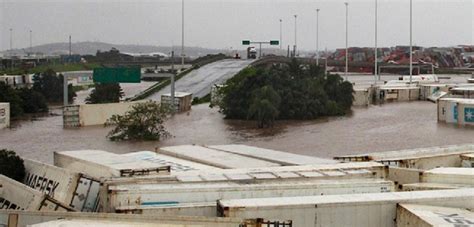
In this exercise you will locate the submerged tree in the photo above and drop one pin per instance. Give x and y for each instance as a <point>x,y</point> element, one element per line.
<point>11,165</point>
<point>105,93</point>
<point>144,121</point>
<point>51,86</point>
<point>264,106</point>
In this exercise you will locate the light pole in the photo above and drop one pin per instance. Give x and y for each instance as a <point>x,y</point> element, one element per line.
<point>375,49</point>
<point>11,41</point>
<point>347,49</point>
<point>182,34</point>
<point>31,42</point>
<point>294,48</point>
<point>317,37</point>
<point>281,33</point>
<point>411,47</point>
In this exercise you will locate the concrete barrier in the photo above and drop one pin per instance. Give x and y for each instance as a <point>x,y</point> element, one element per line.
<point>4,115</point>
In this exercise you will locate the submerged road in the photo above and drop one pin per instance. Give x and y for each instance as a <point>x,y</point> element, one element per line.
<point>199,82</point>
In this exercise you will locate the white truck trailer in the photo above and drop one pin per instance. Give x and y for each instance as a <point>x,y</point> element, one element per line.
<point>102,164</point>
<point>357,210</point>
<point>74,189</point>
<point>17,196</point>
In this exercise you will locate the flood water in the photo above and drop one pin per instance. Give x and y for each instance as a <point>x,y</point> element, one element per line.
<point>390,126</point>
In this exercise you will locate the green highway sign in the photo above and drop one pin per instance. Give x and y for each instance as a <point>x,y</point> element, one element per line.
<point>245,42</point>
<point>117,75</point>
<point>274,42</point>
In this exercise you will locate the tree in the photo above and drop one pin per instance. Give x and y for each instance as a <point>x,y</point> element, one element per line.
<point>11,165</point>
<point>32,101</point>
<point>10,95</point>
<point>143,122</point>
<point>105,93</point>
<point>264,107</point>
<point>51,86</point>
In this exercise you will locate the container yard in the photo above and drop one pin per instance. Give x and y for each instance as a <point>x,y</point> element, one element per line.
<point>241,185</point>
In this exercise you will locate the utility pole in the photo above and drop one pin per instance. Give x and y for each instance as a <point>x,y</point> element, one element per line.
<point>294,47</point>
<point>411,47</point>
<point>182,34</point>
<point>172,81</point>
<point>11,48</point>
<point>347,31</point>
<point>70,48</point>
<point>281,33</point>
<point>317,37</point>
<point>375,49</point>
<point>31,42</point>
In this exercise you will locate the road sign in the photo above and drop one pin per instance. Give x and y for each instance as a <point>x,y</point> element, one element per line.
<point>117,75</point>
<point>245,42</point>
<point>274,42</point>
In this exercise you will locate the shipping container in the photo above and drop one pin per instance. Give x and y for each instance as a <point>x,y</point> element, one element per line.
<point>104,223</point>
<point>214,157</point>
<point>74,189</point>
<point>17,196</point>
<point>422,186</point>
<point>282,158</point>
<point>172,194</point>
<point>456,110</point>
<point>182,101</point>
<point>357,210</point>
<point>4,115</point>
<point>176,164</point>
<point>449,176</point>
<point>414,215</point>
<point>21,218</point>
<point>421,158</point>
<point>328,171</point>
<point>208,209</point>
<point>467,160</point>
<point>402,176</point>
<point>99,164</point>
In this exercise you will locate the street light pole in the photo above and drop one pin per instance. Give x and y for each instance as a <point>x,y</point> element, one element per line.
<point>411,47</point>
<point>182,34</point>
<point>31,42</point>
<point>280,33</point>
<point>294,48</point>
<point>375,49</point>
<point>11,41</point>
<point>347,49</point>
<point>317,37</point>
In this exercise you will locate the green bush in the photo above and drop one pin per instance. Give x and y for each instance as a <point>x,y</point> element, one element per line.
<point>105,93</point>
<point>11,165</point>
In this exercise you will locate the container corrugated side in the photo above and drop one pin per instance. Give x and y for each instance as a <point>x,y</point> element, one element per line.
<point>141,194</point>
<point>283,158</point>
<point>358,210</point>
<point>214,157</point>
<point>182,209</point>
<point>430,186</point>
<point>412,215</point>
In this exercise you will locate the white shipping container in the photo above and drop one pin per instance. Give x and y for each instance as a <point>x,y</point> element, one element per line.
<point>214,157</point>
<point>413,215</point>
<point>74,189</point>
<point>176,164</point>
<point>356,210</point>
<point>172,194</point>
<point>334,171</point>
<point>467,160</point>
<point>421,158</point>
<point>100,164</point>
<point>449,176</point>
<point>4,115</point>
<point>17,196</point>
<point>282,158</point>
<point>182,209</point>
<point>422,186</point>
<point>105,223</point>
<point>22,218</point>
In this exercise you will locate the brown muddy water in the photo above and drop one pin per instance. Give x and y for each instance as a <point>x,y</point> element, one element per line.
<point>390,126</point>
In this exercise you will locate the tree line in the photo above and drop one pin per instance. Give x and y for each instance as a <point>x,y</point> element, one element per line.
<point>285,91</point>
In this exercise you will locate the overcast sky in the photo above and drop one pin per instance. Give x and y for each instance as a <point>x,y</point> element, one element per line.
<point>224,23</point>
